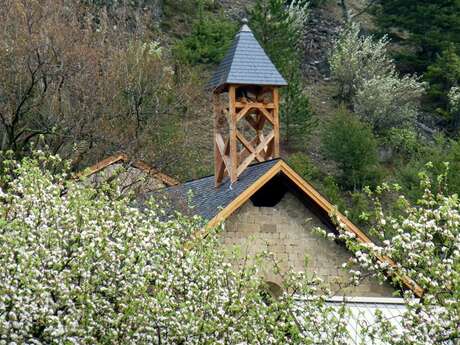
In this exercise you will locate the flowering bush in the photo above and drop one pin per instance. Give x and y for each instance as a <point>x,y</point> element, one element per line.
<point>424,241</point>
<point>356,58</point>
<point>388,101</point>
<point>79,265</point>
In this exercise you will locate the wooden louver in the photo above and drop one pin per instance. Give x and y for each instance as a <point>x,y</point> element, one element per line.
<point>259,108</point>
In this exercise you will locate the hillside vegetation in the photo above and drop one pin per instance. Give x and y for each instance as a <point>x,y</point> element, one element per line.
<point>373,91</point>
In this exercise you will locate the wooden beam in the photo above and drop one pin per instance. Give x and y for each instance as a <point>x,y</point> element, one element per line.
<point>223,150</point>
<point>147,168</point>
<point>259,105</point>
<point>244,152</point>
<point>258,149</point>
<point>233,141</point>
<point>102,165</point>
<point>218,161</point>
<point>249,147</point>
<point>242,113</point>
<point>267,115</point>
<point>276,123</point>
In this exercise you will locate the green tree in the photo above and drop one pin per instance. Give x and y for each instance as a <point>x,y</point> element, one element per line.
<point>442,75</point>
<point>431,27</point>
<point>389,101</point>
<point>279,27</point>
<point>352,145</point>
<point>208,41</point>
<point>355,59</point>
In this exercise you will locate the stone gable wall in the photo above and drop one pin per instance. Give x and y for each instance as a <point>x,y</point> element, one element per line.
<point>286,231</point>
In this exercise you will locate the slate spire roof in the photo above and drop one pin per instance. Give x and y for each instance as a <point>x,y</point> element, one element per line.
<point>246,63</point>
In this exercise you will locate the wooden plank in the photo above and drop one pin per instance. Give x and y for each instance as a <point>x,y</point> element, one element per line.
<point>244,152</point>
<point>218,171</point>
<point>242,113</point>
<point>223,150</point>
<point>249,147</point>
<point>276,123</point>
<point>251,157</point>
<point>148,169</point>
<point>232,138</point>
<point>102,165</point>
<point>270,149</point>
<point>239,105</point>
<point>267,115</point>
<point>261,137</point>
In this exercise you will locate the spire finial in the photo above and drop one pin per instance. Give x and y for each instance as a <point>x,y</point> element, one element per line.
<point>245,27</point>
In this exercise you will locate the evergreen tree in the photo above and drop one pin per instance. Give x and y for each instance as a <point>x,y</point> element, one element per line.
<point>443,74</point>
<point>432,26</point>
<point>279,28</point>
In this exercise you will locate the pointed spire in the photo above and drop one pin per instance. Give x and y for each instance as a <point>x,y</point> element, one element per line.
<point>246,63</point>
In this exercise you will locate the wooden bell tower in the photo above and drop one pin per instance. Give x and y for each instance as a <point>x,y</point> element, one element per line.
<point>246,108</point>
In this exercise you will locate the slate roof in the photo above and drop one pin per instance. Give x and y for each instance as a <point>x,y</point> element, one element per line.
<point>201,197</point>
<point>246,63</point>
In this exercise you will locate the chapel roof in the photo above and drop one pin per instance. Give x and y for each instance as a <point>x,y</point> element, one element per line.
<point>201,197</point>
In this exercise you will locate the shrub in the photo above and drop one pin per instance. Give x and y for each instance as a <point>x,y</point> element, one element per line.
<point>302,164</point>
<point>424,240</point>
<point>352,145</point>
<point>80,265</point>
<point>355,59</point>
<point>432,159</point>
<point>388,101</point>
<point>403,140</point>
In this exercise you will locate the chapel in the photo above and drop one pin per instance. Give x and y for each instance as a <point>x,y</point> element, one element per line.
<point>261,202</point>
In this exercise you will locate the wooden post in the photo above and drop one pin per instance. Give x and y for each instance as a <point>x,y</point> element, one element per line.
<point>276,122</point>
<point>233,129</point>
<point>218,161</point>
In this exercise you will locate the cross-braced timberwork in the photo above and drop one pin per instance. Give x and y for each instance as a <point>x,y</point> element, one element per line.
<point>258,108</point>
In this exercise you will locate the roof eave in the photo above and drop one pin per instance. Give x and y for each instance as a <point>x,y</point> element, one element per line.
<point>321,201</point>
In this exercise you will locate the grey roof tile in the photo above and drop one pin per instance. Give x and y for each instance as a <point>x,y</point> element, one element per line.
<point>246,63</point>
<point>201,197</point>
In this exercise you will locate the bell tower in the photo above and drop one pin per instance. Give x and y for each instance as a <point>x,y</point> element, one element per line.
<point>246,108</point>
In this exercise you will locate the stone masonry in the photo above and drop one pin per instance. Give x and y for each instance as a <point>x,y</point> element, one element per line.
<point>286,231</point>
